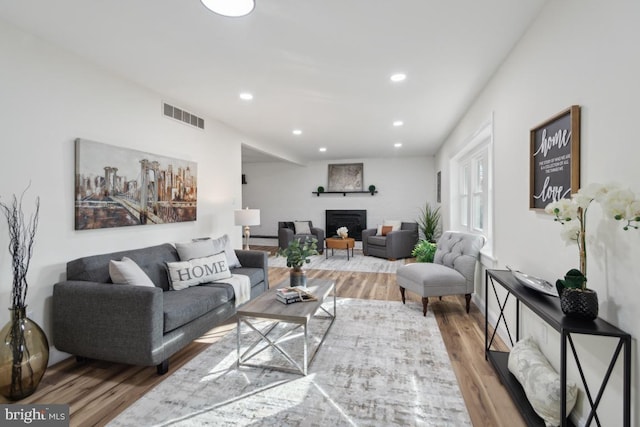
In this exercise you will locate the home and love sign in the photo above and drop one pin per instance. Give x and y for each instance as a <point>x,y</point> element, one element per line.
<point>555,158</point>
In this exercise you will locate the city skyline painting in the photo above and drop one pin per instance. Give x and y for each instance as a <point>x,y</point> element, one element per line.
<point>117,187</point>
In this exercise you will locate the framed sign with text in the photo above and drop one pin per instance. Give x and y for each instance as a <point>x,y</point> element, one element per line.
<point>554,160</point>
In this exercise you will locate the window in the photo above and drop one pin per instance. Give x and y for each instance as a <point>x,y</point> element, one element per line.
<point>472,196</point>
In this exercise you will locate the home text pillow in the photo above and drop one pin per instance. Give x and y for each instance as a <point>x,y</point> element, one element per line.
<point>127,272</point>
<point>183,274</point>
<point>386,229</point>
<point>541,383</point>
<point>302,227</point>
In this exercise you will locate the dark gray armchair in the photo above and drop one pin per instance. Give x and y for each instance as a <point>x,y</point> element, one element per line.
<point>287,232</point>
<point>396,244</point>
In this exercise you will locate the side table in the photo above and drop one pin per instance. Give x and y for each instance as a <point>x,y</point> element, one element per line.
<point>339,243</point>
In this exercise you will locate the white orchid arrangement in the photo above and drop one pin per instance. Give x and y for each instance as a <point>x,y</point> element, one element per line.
<point>617,202</point>
<point>343,232</point>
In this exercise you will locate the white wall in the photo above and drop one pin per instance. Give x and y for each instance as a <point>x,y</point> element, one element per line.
<point>577,52</point>
<point>49,98</point>
<point>282,191</point>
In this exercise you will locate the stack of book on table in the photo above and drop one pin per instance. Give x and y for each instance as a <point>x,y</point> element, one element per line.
<point>291,295</point>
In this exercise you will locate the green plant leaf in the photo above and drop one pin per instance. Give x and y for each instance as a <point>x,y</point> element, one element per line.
<point>424,251</point>
<point>298,253</point>
<point>429,223</point>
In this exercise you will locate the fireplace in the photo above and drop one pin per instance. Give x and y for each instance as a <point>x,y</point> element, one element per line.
<point>354,220</point>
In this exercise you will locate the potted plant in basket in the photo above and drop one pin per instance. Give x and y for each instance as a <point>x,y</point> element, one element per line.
<point>24,349</point>
<point>576,299</point>
<point>297,254</point>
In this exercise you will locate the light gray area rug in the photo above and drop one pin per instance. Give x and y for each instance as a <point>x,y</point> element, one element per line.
<point>382,364</point>
<point>339,262</point>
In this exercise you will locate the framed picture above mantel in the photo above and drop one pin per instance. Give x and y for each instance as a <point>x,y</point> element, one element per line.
<point>554,159</point>
<point>346,177</point>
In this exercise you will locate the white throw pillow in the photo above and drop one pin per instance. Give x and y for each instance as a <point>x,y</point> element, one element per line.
<point>198,248</point>
<point>183,274</point>
<point>396,225</point>
<point>541,383</point>
<point>224,244</point>
<point>206,246</point>
<point>302,227</point>
<point>127,272</point>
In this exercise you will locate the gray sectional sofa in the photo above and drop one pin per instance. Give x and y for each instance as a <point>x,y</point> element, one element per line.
<point>96,319</point>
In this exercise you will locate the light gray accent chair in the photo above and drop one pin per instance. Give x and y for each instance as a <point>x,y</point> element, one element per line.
<point>452,272</point>
<point>395,245</point>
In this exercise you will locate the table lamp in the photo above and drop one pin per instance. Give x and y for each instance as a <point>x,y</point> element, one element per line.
<point>247,217</point>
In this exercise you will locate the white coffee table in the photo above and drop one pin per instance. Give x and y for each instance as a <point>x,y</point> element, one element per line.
<point>298,315</point>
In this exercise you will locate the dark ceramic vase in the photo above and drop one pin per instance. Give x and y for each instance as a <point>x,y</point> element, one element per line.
<point>578,303</point>
<point>24,355</point>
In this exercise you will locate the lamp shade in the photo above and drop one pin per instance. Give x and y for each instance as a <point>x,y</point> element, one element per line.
<point>247,216</point>
<point>233,8</point>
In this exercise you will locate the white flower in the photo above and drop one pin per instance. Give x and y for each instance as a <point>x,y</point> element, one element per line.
<point>604,191</point>
<point>586,195</point>
<point>566,209</point>
<point>617,203</point>
<point>570,232</point>
<point>634,209</point>
<point>343,232</point>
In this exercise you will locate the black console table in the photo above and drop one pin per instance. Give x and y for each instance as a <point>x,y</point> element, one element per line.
<point>548,309</point>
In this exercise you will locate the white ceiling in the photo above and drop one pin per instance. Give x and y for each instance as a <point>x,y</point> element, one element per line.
<point>322,66</point>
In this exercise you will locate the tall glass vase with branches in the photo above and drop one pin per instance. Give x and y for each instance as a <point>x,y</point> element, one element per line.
<point>24,350</point>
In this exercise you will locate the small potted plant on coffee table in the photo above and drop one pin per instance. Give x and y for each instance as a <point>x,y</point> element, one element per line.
<point>297,254</point>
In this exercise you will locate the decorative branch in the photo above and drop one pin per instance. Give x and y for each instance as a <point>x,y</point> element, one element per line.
<point>21,242</point>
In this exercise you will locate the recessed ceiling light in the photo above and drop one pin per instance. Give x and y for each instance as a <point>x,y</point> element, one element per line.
<point>398,144</point>
<point>232,8</point>
<point>398,77</point>
<point>296,132</point>
<point>398,123</point>
<point>246,96</point>
<point>322,149</point>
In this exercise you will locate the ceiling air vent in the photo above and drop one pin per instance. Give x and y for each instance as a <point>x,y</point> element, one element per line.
<point>182,115</point>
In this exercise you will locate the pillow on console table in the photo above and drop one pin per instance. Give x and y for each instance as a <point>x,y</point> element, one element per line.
<point>183,274</point>
<point>127,272</point>
<point>541,383</point>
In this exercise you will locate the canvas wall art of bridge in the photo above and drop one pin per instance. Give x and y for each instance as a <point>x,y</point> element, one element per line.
<point>117,187</point>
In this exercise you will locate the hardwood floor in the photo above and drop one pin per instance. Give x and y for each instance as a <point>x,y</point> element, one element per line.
<point>98,391</point>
